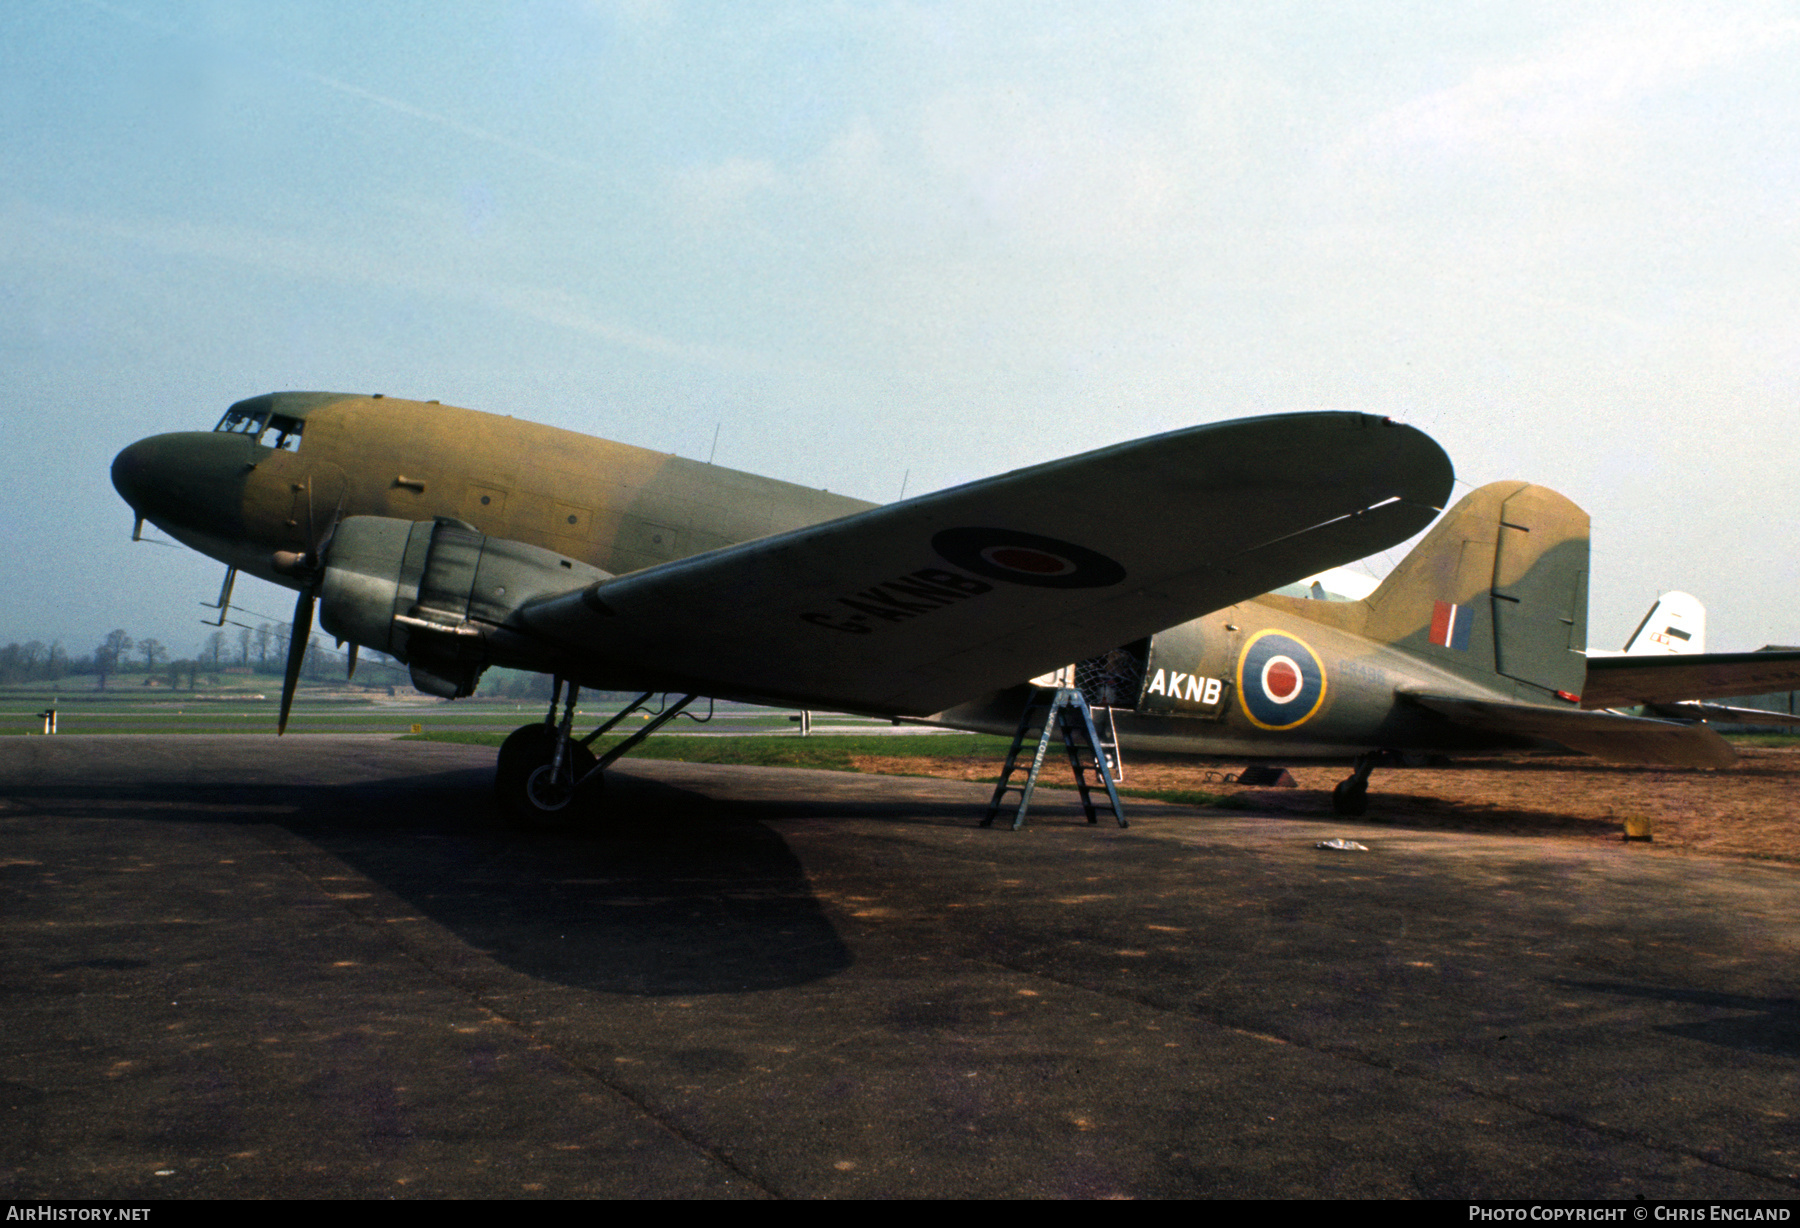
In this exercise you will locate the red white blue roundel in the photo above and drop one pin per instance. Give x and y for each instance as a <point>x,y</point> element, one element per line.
<point>1280,681</point>
<point>1026,558</point>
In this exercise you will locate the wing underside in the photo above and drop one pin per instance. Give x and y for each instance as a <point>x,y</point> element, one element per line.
<point>910,608</point>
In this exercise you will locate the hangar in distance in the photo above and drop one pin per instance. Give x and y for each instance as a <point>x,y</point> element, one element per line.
<point>456,540</point>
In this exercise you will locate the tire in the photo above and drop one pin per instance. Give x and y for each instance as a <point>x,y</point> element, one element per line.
<point>1351,797</point>
<point>526,750</point>
<point>523,751</point>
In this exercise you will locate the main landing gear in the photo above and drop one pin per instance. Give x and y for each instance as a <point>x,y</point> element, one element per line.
<point>1351,797</point>
<point>544,773</point>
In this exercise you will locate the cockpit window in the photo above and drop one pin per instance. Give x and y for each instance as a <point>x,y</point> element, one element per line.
<point>283,432</point>
<point>268,429</point>
<point>243,420</point>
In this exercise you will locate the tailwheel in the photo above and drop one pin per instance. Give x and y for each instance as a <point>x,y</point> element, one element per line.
<point>1351,797</point>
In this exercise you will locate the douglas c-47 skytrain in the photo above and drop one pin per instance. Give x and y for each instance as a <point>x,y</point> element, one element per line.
<point>455,540</point>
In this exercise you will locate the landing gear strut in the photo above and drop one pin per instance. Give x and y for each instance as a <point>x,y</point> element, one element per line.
<point>1351,797</point>
<point>542,768</point>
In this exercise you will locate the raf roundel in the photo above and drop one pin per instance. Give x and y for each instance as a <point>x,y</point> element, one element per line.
<point>1280,681</point>
<point>1026,558</point>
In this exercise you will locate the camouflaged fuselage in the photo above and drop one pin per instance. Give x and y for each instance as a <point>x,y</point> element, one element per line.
<point>613,506</point>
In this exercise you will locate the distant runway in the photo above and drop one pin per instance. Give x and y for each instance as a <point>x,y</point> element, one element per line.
<point>320,966</point>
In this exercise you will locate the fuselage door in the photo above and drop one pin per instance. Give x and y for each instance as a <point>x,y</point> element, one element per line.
<point>1114,679</point>
<point>1187,669</point>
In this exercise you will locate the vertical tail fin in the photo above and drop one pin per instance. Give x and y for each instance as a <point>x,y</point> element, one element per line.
<point>1499,586</point>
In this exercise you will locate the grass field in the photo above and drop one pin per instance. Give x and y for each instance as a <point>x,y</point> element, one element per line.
<point>125,710</point>
<point>736,733</point>
<point>252,709</point>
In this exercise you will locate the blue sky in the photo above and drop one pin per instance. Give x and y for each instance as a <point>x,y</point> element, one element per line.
<point>925,242</point>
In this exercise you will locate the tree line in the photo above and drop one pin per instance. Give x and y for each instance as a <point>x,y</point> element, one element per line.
<point>262,649</point>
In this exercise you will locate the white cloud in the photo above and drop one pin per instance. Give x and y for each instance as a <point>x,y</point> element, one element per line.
<point>60,238</point>
<point>1579,86</point>
<point>1051,173</point>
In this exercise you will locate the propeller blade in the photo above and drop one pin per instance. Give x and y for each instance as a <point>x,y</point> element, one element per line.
<point>309,568</point>
<point>312,549</point>
<point>351,672</point>
<point>303,616</point>
<point>337,517</point>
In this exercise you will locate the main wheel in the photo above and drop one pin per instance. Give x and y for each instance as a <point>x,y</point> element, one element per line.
<point>524,749</point>
<point>1351,797</point>
<point>522,777</point>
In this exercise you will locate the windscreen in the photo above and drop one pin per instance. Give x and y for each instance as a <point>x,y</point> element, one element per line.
<point>271,430</point>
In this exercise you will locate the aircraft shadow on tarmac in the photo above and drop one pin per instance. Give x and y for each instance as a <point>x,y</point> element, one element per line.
<point>1769,1025</point>
<point>681,896</point>
<point>1422,812</point>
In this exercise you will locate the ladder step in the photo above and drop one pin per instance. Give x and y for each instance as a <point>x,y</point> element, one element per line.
<point>1066,713</point>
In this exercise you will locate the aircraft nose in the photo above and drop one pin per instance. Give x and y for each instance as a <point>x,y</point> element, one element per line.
<point>131,472</point>
<point>191,479</point>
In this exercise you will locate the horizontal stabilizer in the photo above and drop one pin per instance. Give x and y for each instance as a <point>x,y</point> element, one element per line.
<point>1605,735</point>
<point>1722,712</point>
<point>1615,682</point>
<point>913,607</point>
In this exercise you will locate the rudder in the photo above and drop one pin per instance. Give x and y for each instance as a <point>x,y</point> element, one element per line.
<point>1499,586</point>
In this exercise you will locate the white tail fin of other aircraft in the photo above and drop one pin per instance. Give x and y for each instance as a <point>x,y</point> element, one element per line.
<point>1675,624</point>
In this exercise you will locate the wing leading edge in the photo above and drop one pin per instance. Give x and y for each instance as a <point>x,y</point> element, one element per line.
<point>910,608</point>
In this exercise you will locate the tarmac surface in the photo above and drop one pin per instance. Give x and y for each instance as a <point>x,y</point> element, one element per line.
<point>322,967</point>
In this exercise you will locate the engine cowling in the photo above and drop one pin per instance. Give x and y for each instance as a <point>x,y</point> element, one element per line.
<point>439,595</point>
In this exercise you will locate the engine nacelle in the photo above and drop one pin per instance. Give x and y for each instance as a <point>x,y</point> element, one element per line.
<point>438,595</point>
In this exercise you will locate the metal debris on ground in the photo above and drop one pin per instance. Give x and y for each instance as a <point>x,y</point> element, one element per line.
<point>1342,845</point>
